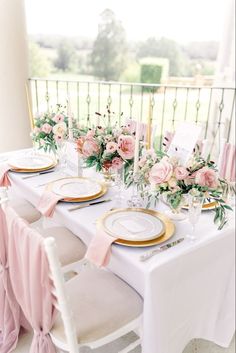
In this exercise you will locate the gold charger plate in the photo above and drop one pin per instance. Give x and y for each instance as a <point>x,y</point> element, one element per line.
<point>15,170</point>
<point>82,199</point>
<point>34,170</point>
<point>169,229</point>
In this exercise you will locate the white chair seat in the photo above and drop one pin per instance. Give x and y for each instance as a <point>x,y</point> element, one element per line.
<point>25,209</point>
<point>70,248</point>
<point>101,304</point>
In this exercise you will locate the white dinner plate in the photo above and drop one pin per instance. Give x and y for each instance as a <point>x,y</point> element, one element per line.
<point>133,225</point>
<point>76,187</point>
<point>31,162</point>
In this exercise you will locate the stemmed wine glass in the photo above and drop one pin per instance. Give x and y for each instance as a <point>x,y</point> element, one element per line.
<point>195,201</point>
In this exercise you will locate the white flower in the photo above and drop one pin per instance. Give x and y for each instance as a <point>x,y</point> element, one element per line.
<point>60,129</point>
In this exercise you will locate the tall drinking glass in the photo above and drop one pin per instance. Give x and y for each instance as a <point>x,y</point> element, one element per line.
<point>194,211</point>
<point>119,177</point>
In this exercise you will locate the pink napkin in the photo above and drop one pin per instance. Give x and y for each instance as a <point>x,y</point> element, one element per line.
<point>4,179</point>
<point>47,203</point>
<point>99,250</point>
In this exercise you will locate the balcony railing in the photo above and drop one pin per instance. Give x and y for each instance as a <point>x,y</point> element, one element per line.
<point>165,105</point>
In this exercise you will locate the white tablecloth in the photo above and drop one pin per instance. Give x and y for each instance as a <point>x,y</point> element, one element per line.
<point>188,290</point>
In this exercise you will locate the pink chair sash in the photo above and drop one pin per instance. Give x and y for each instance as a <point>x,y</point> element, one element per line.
<point>4,178</point>
<point>99,250</point>
<point>29,269</point>
<point>9,307</point>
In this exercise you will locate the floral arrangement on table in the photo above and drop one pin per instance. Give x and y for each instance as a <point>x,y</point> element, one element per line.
<point>50,129</point>
<point>107,148</point>
<point>164,175</point>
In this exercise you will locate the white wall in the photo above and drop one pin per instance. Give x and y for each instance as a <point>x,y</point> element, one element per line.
<point>14,121</point>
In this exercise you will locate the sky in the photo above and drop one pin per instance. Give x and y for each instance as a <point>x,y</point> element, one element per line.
<point>181,20</point>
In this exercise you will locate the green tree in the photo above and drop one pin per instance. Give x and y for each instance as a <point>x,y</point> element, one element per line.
<point>165,48</point>
<point>39,65</point>
<point>66,56</point>
<point>109,50</point>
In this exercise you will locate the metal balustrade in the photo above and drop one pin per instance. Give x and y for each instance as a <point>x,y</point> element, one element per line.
<point>165,105</point>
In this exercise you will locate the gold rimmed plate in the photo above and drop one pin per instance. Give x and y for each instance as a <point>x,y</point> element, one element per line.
<point>165,232</point>
<point>31,164</point>
<point>78,189</point>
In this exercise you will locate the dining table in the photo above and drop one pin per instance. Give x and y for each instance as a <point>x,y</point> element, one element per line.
<point>188,290</point>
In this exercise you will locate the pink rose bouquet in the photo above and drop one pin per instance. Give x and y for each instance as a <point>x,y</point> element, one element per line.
<point>50,129</point>
<point>167,176</point>
<point>107,148</point>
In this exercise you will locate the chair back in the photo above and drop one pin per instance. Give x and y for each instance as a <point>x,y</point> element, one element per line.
<point>28,262</point>
<point>60,294</point>
<point>9,307</point>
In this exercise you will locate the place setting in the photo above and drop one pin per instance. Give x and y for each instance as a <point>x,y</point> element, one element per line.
<point>71,190</point>
<point>28,165</point>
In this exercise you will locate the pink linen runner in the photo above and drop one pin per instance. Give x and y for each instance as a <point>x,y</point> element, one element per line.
<point>99,250</point>
<point>4,178</point>
<point>29,273</point>
<point>227,162</point>
<point>47,203</point>
<point>9,307</point>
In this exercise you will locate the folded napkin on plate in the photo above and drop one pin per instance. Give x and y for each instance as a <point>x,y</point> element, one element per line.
<point>4,178</point>
<point>47,203</point>
<point>99,250</point>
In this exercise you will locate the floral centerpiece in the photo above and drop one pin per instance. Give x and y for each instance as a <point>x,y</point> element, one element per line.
<point>107,148</point>
<point>50,129</point>
<point>165,175</point>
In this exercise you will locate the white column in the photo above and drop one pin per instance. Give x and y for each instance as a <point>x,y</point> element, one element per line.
<point>225,69</point>
<point>14,119</point>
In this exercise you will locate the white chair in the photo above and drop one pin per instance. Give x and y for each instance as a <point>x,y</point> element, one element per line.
<point>22,207</point>
<point>71,249</point>
<point>95,307</point>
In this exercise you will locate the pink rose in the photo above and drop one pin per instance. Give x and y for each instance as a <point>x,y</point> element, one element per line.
<point>58,118</point>
<point>36,130</point>
<point>161,172</point>
<point>90,134</point>
<point>206,177</point>
<point>58,138</point>
<point>126,146</point>
<point>80,143</point>
<point>181,173</point>
<point>117,163</point>
<point>42,142</point>
<point>46,128</point>
<point>111,147</point>
<point>90,148</point>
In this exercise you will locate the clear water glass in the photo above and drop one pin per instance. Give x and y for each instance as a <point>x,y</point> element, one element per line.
<point>119,185</point>
<point>62,160</point>
<point>194,211</point>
